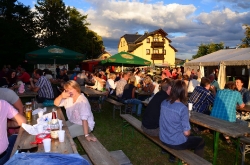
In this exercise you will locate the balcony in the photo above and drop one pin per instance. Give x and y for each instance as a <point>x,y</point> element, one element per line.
<point>157,57</point>
<point>157,44</point>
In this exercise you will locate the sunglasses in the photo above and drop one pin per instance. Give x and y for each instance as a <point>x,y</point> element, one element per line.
<point>31,150</point>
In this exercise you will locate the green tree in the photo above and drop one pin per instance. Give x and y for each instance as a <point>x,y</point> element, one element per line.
<point>52,19</point>
<point>205,49</point>
<point>16,31</point>
<point>245,42</point>
<point>84,40</point>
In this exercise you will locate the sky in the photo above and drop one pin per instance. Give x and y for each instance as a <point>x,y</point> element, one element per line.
<point>187,22</point>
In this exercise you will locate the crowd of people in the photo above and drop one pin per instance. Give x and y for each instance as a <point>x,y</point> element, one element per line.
<point>166,114</point>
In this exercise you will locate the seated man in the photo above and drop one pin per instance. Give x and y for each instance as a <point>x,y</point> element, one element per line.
<point>7,143</point>
<point>121,84</point>
<point>42,86</point>
<point>151,116</point>
<point>63,77</point>
<point>202,98</point>
<point>243,91</point>
<point>214,82</point>
<point>225,104</point>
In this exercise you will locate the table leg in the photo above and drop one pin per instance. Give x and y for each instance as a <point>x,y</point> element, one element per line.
<point>216,143</point>
<point>237,150</point>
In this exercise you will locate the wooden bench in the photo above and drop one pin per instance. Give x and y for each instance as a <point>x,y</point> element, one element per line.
<point>117,105</point>
<point>245,149</point>
<point>117,155</point>
<point>184,155</point>
<point>97,153</point>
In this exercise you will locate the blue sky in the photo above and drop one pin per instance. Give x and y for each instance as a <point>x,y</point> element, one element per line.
<point>187,22</point>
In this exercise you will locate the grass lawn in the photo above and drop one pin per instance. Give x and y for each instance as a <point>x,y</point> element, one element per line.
<point>140,150</point>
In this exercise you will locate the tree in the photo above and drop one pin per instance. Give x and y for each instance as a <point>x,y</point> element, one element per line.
<point>84,40</point>
<point>205,49</point>
<point>66,27</point>
<point>52,19</point>
<point>16,31</point>
<point>245,42</point>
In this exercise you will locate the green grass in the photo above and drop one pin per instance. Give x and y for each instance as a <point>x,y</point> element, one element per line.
<point>140,150</point>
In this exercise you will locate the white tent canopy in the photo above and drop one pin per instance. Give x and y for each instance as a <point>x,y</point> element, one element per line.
<point>224,57</point>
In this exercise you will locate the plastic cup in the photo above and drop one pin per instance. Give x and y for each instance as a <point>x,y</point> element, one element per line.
<point>40,128</point>
<point>47,144</point>
<point>61,135</point>
<point>40,114</point>
<point>190,106</point>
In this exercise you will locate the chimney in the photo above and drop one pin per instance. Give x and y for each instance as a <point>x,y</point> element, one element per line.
<point>145,32</point>
<point>136,33</point>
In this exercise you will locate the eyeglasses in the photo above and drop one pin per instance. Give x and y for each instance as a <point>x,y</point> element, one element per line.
<point>31,150</point>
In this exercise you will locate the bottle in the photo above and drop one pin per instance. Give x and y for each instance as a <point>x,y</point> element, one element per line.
<point>54,126</point>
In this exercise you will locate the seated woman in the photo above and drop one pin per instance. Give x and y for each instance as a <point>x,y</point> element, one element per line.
<point>99,82</point>
<point>129,96</point>
<point>81,120</point>
<point>174,122</point>
<point>9,81</point>
<point>147,87</point>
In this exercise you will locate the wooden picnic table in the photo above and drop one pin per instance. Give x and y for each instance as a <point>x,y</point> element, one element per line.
<point>246,108</point>
<point>231,129</point>
<point>92,92</point>
<point>24,139</point>
<point>27,93</point>
<point>143,93</point>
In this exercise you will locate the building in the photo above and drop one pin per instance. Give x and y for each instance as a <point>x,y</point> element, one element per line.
<point>152,46</point>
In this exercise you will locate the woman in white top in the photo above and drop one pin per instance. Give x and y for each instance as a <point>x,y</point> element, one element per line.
<point>78,110</point>
<point>111,85</point>
<point>99,82</point>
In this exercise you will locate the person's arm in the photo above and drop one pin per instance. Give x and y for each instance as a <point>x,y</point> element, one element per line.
<point>19,106</point>
<point>133,93</point>
<point>186,133</point>
<point>63,95</point>
<point>16,121</point>
<point>86,131</point>
<point>213,90</point>
<point>32,86</point>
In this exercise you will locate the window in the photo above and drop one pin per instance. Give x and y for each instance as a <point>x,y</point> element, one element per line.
<point>156,51</point>
<point>164,51</point>
<point>121,44</point>
<point>156,39</point>
<point>148,40</point>
<point>147,51</point>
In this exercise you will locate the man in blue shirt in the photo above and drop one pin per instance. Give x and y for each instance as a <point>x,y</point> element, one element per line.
<point>203,97</point>
<point>225,103</point>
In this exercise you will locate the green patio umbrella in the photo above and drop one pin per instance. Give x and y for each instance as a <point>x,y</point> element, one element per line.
<point>125,59</point>
<point>54,54</point>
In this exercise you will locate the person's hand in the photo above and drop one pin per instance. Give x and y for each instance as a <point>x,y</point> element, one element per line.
<point>65,94</point>
<point>31,79</point>
<point>89,138</point>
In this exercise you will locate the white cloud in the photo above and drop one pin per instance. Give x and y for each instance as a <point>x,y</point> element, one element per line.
<point>111,19</point>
